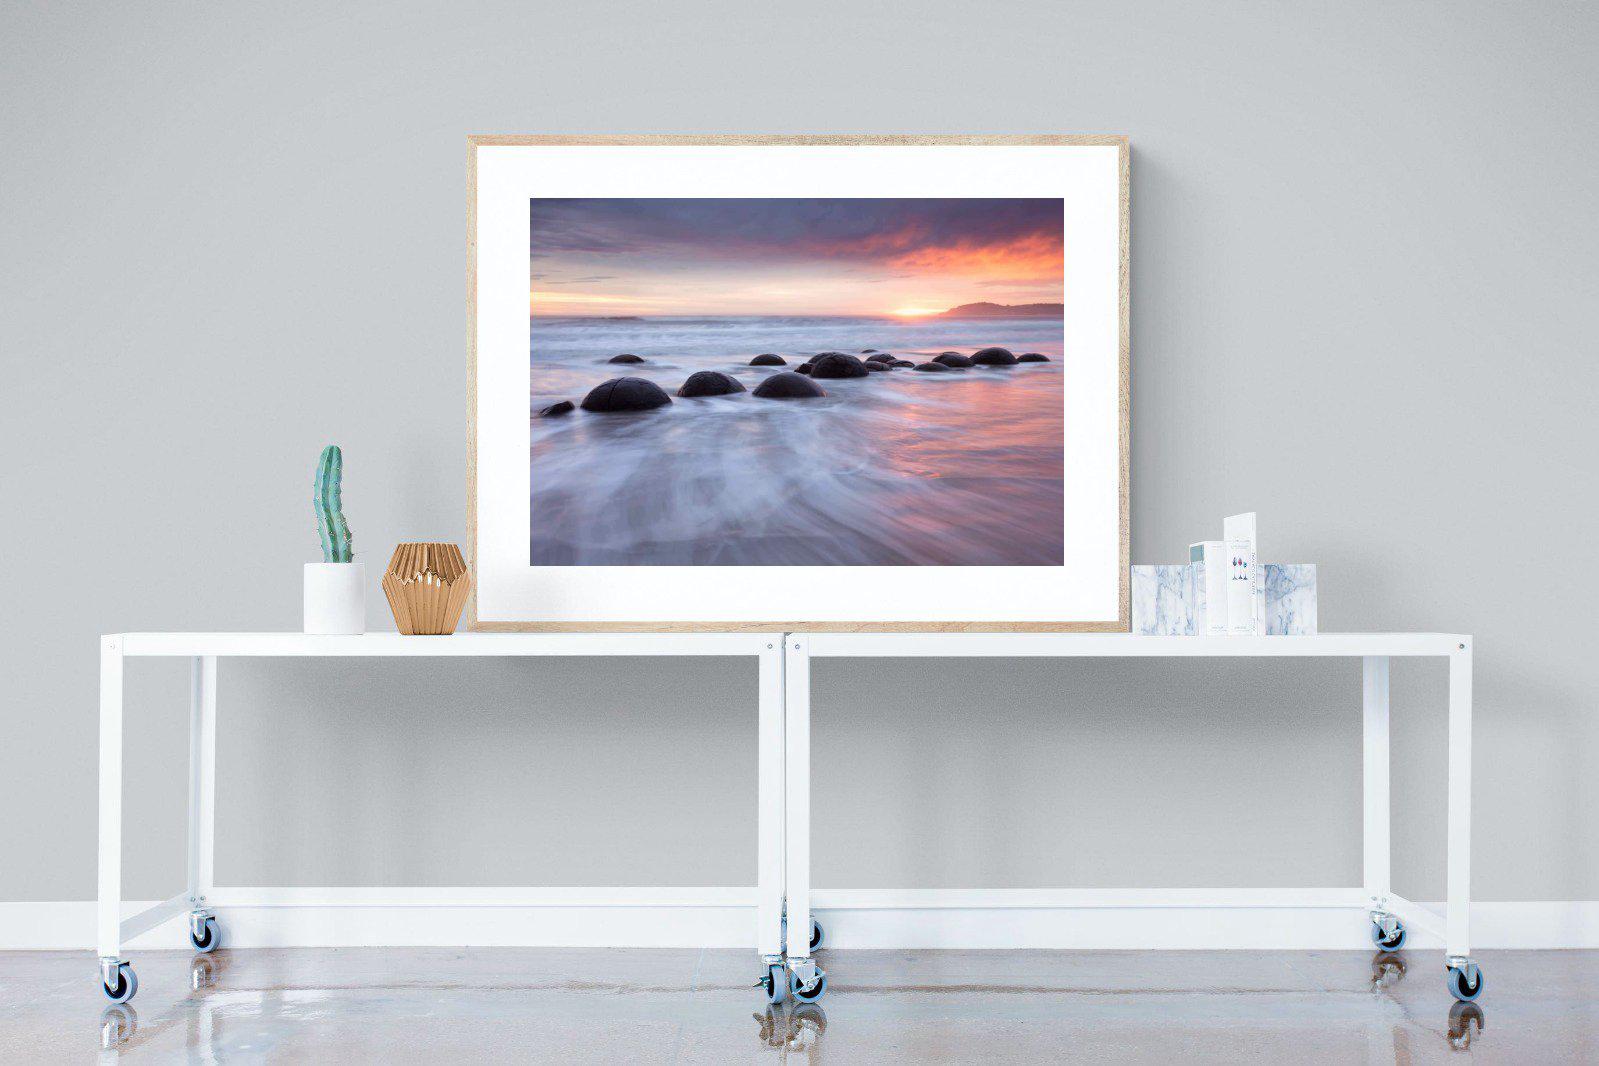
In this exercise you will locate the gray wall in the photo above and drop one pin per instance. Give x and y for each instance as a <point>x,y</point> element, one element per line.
<point>1363,259</point>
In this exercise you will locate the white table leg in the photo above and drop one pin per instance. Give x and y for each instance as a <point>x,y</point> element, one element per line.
<point>202,779</point>
<point>1457,938</point>
<point>1375,778</point>
<point>109,908</point>
<point>769,804</point>
<point>797,792</point>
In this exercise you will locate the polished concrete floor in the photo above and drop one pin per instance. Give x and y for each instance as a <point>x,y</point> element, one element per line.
<point>369,1005</point>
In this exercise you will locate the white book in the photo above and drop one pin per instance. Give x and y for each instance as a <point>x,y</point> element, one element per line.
<point>1246,586</point>
<point>1208,566</point>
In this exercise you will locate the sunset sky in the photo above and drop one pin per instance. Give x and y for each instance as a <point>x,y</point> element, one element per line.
<point>795,257</point>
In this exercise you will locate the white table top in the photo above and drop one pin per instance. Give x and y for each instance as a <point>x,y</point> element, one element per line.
<point>896,645</point>
<point>1111,645</point>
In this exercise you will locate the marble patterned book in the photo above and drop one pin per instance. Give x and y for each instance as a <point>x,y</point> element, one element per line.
<point>1290,598</point>
<point>1163,602</point>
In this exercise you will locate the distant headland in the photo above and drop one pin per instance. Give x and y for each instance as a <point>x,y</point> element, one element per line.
<point>988,310</point>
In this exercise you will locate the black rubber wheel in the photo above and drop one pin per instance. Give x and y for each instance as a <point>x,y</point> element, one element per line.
<point>1461,990</point>
<point>1387,943</point>
<point>808,995</point>
<point>775,984</point>
<point>127,984</point>
<point>209,936</point>
<point>817,934</point>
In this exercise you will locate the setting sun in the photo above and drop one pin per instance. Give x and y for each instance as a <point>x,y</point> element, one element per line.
<point>913,311</point>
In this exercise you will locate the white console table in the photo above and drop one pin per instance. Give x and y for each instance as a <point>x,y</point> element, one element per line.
<point>204,649</point>
<point>1389,914</point>
<point>783,892</point>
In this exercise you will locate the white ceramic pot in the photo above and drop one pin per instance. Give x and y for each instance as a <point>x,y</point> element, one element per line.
<point>335,597</point>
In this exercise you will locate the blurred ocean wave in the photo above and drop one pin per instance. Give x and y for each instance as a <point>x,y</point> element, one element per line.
<point>899,468</point>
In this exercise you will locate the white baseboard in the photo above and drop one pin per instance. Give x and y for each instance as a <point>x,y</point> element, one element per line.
<point>1307,919</point>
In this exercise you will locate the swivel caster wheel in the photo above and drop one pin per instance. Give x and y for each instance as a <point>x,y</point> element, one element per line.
<point>1465,981</point>
<point>204,933</point>
<point>775,983</point>
<point>817,935</point>
<point>811,993</point>
<point>1388,941</point>
<point>121,989</point>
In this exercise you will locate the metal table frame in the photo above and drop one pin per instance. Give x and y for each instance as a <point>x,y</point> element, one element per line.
<point>782,894</point>
<point>1388,912</point>
<point>198,898</point>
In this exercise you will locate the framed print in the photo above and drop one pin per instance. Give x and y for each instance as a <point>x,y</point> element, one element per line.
<point>798,383</point>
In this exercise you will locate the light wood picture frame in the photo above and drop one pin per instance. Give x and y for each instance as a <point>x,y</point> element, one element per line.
<point>616,179</point>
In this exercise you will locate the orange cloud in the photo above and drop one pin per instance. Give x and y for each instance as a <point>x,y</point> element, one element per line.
<point>1034,257</point>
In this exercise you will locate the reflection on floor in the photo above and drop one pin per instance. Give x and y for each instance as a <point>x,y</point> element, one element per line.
<point>360,1005</point>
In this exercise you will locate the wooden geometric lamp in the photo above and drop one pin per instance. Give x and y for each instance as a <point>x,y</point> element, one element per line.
<point>427,586</point>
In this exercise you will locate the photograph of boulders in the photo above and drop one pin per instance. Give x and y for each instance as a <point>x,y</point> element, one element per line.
<point>796,382</point>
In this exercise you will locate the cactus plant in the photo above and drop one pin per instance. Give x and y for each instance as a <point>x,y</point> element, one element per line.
<point>325,501</point>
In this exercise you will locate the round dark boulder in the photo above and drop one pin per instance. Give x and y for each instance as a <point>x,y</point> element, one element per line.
<point>768,360</point>
<point>872,366</point>
<point>838,365</point>
<point>936,368</point>
<point>949,353</point>
<point>554,409</point>
<point>953,360</point>
<point>625,359</point>
<point>710,383</point>
<point>788,385</point>
<point>880,357</point>
<point>625,394</point>
<point>868,351</point>
<point>822,355</point>
<point>1032,357</point>
<point>994,357</point>
<point>902,362</point>
<point>804,368</point>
